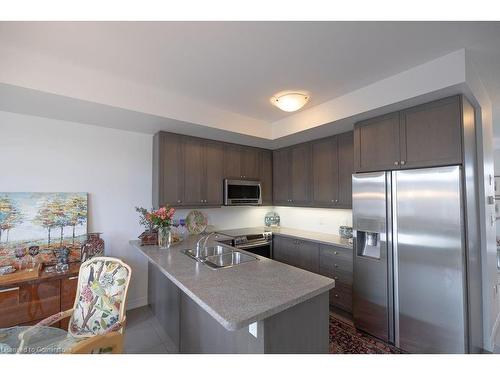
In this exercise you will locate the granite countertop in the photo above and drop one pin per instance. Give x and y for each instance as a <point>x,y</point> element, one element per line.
<point>324,238</point>
<point>240,295</point>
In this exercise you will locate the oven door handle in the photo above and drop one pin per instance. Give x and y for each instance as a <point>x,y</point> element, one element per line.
<point>252,245</point>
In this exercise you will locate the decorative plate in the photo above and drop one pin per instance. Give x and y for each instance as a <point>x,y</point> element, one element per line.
<point>5,270</point>
<point>196,222</point>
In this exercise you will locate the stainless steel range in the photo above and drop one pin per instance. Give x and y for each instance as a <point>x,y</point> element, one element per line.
<point>254,240</point>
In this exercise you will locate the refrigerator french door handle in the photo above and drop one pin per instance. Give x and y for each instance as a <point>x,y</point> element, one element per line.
<point>395,265</point>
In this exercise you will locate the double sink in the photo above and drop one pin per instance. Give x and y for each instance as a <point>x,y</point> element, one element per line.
<point>219,256</point>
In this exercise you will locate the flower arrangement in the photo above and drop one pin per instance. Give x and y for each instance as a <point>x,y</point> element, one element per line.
<point>162,217</point>
<point>154,219</point>
<point>157,224</point>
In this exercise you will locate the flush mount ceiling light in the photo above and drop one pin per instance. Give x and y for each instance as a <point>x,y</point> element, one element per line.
<point>290,101</point>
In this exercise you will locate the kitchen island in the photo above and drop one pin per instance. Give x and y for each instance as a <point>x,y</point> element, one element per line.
<point>262,306</point>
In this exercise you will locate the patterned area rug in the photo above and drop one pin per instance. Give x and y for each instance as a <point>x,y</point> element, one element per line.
<point>346,339</point>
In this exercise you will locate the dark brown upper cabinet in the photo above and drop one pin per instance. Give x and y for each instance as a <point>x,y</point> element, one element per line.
<point>346,168</point>
<point>281,176</point>
<point>168,169</point>
<point>232,161</point>
<point>428,135</point>
<point>194,165</point>
<point>250,163</point>
<point>266,176</point>
<point>315,174</point>
<point>292,175</point>
<point>297,253</point>
<point>333,166</point>
<point>300,174</point>
<point>214,173</point>
<point>431,134</point>
<point>376,143</point>
<point>325,171</point>
<point>187,171</point>
<point>241,162</point>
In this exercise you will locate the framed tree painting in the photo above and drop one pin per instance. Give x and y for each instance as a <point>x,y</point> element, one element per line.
<point>47,220</point>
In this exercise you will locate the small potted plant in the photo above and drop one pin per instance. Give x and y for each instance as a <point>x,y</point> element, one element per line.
<point>150,235</point>
<point>161,220</point>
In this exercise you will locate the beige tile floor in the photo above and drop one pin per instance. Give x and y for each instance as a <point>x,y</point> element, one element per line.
<point>144,334</point>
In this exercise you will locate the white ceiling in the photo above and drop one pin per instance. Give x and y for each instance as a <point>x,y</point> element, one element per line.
<point>237,66</point>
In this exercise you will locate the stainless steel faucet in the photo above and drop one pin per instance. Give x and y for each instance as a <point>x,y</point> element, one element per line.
<point>204,239</point>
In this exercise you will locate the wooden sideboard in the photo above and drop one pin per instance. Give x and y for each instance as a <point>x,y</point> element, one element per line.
<point>26,303</point>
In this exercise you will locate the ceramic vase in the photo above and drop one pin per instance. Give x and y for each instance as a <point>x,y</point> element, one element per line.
<point>92,246</point>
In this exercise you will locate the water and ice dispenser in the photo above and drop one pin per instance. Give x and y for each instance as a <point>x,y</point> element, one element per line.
<point>368,244</point>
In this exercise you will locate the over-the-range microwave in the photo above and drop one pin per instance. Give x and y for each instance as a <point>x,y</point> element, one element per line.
<point>242,193</point>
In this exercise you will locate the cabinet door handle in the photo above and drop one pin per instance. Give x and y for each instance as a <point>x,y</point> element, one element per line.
<point>9,289</point>
<point>396,163</point>
<point>72,277</point>
<point>336,296</point>
<point>403,162</point>
<point>179,201</point>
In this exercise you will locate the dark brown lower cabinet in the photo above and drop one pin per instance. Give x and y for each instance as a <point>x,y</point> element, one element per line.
<point>283,249</point>
<point>297,253</point>
<point>337,263</point>
<point>327,260</point>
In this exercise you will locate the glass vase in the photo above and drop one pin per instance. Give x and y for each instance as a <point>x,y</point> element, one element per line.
<point>164,238</point>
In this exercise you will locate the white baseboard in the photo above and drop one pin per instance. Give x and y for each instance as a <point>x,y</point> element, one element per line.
<point>138,302</point>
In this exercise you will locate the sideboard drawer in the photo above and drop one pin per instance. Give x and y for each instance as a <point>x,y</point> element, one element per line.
<point>29,302</point>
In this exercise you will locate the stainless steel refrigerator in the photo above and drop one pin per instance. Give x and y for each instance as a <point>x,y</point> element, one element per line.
<point>409,260</point>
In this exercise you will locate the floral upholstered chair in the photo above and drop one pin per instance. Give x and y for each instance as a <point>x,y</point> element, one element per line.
<point>97,318</point>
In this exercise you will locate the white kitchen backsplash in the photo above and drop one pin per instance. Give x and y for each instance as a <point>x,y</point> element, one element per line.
<point>314,219</point>
<point>231,217</point>
<point>325,220</point>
